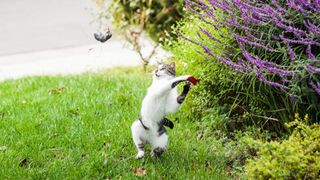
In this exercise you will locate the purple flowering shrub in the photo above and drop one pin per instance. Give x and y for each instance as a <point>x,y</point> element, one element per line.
<point>225,100</point>
<point>277,42</point>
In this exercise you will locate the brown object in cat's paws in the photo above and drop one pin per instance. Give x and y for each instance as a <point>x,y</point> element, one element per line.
<point>193,80</point>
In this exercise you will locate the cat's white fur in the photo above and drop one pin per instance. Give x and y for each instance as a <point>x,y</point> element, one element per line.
<point>161,99</point>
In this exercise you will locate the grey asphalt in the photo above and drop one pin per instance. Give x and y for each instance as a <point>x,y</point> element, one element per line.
<point>55,37</point>
<point>35,25</point>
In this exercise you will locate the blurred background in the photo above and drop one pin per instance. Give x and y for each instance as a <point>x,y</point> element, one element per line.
<point>39,37</point>
<point>36,25</point>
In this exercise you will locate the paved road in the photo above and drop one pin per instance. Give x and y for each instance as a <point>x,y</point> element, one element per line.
<point>33,25</point>
<point>49,37</point>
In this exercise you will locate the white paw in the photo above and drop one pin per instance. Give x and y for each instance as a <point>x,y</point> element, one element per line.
<point>140,155</point>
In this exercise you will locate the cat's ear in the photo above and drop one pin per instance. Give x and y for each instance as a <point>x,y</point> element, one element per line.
<point>173,65</point>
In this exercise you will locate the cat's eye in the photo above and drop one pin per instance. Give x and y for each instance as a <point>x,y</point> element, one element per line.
<point>161,69</point>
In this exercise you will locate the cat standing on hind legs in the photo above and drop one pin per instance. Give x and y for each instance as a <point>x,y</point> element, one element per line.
<point>162,98</point>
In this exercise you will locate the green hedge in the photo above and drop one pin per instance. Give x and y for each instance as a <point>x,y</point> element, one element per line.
<point>156,17</point>
<point>241,98</point>
<point>298,157</point>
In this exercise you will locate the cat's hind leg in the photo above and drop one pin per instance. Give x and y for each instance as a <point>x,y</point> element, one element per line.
<point>138,131</point>
<point>159,143</point>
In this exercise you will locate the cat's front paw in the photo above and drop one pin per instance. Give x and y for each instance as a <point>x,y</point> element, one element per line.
<point>140,155</point>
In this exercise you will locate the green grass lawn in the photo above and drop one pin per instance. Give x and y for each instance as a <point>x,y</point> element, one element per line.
<point>79,127</point>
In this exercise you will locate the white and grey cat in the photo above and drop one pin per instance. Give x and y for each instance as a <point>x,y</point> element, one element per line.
<point>162,98</point>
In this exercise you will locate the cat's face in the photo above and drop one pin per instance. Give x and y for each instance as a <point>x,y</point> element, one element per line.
<point>165,71</point>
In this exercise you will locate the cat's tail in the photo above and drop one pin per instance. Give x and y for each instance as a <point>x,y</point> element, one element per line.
<point>168,123</point>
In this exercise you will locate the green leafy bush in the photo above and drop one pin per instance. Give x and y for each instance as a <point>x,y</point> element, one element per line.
<point>213,75</point>
<point>137,20</point>
<point>244,97</point>
<point>156,17</point>
<point>241,99</point>
<point>295,158</point>
<point>237,150</point>
<point>275,42</point>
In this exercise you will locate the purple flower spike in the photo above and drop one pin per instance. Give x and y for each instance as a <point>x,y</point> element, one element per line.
<point>208,34</point>
<point>311,56</point>
<point>229,63</point>
<point>296,31</point>
<point>279,8</point>
<point>263,79</point>
<point>286,42</point>
<point>316,87</point>
<point>312,70</point>
<point>293,97</point>
<point>312,28</point>
<point>207,50</point>
<point>246,41</point>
